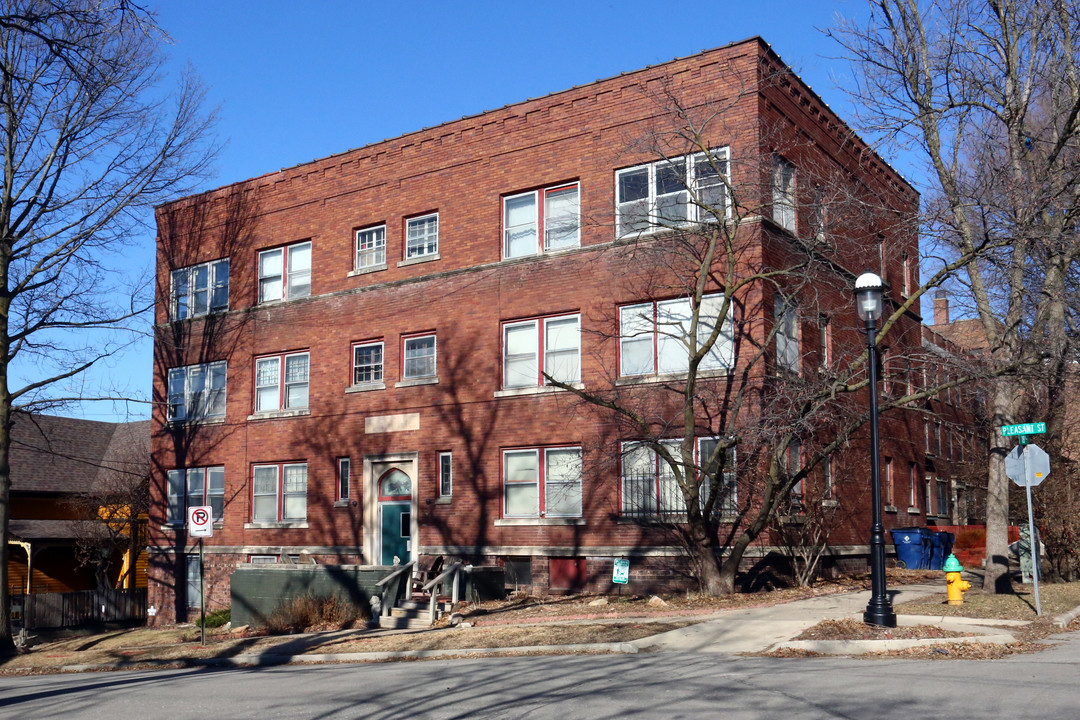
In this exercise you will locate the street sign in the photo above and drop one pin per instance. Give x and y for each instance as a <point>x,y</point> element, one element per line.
<point>1027,465</point>
<point>1037,428</point>
<point>621,574</point>
<point>200,521</point>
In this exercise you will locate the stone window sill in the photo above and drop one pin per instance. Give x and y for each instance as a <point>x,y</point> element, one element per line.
<point>670,377</point>
<point>278,414</point>
<point>533,522</point>
<point>276,525</point>
<point>417,381</point>
<point>420,259</point>
<point>538,390</point>
<point>367,270</point>
<point>365,387</point>
<point>890,508</point>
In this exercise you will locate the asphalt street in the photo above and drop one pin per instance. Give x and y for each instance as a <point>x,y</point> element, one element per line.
<point>660,685</point>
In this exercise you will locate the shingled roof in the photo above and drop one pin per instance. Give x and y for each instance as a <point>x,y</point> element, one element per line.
<point>56,455</point>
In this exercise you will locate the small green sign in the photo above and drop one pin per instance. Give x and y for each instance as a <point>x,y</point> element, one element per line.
<point>1024,429</point>
<point>621,572</point>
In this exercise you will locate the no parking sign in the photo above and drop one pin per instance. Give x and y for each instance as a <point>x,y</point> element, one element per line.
<point>200,521</point>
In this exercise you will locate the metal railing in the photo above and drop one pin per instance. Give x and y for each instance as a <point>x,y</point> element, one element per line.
<point>72,609</point>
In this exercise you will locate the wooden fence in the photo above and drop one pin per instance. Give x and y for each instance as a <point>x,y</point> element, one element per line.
<point>72,609</point>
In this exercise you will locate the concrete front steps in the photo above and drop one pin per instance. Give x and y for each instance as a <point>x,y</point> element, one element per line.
<point>412,615</point>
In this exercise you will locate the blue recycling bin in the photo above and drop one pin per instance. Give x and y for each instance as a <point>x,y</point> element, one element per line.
<point>940,547</point>
<point>927,548</point>
<point>909,543</point>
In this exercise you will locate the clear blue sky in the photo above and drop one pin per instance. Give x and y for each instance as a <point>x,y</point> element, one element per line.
<point>295,81</point>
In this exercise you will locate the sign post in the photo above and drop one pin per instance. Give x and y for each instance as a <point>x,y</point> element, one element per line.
<point>1027,466</point>
<point>201,525</point>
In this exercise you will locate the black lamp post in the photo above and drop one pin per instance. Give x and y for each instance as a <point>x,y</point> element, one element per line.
<point>869,302</point>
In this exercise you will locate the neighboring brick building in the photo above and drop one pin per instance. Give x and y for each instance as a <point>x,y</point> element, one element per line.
<point>348,352</point>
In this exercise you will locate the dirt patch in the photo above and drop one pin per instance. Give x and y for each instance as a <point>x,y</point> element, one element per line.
<point>1055,598</point>
<point>857,630</point>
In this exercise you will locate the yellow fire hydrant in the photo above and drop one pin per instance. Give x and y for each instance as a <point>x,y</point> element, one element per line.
<point>955,585</point>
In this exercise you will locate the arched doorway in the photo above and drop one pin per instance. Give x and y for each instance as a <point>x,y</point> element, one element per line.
<point>395,516</point>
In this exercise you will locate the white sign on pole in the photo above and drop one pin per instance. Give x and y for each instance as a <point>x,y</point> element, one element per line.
<point>621,574</point>
<point>1027,465</point>
<point>200,521</point>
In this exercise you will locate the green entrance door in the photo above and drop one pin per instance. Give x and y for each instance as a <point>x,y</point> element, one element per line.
<point>395,517</point>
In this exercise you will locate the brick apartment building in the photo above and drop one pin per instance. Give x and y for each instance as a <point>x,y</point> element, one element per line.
<point>350,353</point>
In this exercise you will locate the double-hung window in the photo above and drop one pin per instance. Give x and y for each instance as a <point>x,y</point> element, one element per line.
<point>368,363</point>
<point>277,390</point>
<point>728,501</point>
<point>541,221</point>
<point>279,493</point>
<point>197,392</point>
<point>655,337</point>
<point>783,194</point>
<point>533,348</point>
<point>671,193</point>
<point>285,273</point>
<point>786,318</point>
<point>371,248</point>
<point>200,289</point>
<point>419,357</point>
<point>422,236</point>
<point>542,482</point>
<point>196,487</point>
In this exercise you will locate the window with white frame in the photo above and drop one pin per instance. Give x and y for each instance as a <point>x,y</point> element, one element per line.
<point>541,221</point>
<point>285,273</point>
<point>344,468</point>
<point>367,363</point>
<point>371,248</point>
<point>670,193</point>
<point>654,337</point>
<point>532,348</point>
<point>889,487</point>
<point>787,334</point>
<point>446,474</point>
<point>276,390</point>
<point>199,290</point>
<point>827,477</point>
<point>824,341</point>
<point>422,236</point>
<point>783,193</point>
<point>542,482</point>
<point>794,467</point>
<point>193,578</point>
<point>913,485</point>
<point>942,497</point>
<point>728,502</point>
<point>195,487</point>
<point>197,392</point>
<point>419,357</point>
<point>279,493</point>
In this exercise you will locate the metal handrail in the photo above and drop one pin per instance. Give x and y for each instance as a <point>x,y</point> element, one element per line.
<point>390,585</point>
<point>454,570</point>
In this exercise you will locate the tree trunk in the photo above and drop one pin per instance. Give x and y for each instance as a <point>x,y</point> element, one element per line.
<point>7,642</point>
<point>1005,403</point>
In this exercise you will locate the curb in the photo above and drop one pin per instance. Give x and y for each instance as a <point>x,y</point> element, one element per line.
<point>1063,620</point>
<point>861,647</point>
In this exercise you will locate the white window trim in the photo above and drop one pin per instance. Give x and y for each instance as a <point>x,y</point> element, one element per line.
<point>213,269</point>
<point>542,351</point>
<point>434,374</point>
<point>282,384</point>
<point>722,353</point>
<point>374,382</point>
<point>694,212</point>
<point>417,252</point>
<point>344,472</point>
<point>784,192</point>
<point>190,393</point>
<point>540,220</point>
<point>542,482</point>
<point>279,495</point>
<point>287,273</point>
<point>359,266</point>
<point>445,477</point>
<point>787,312</point>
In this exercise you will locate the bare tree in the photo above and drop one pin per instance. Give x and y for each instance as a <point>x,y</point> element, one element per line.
<point>89,145</point>
<point>988,94</point>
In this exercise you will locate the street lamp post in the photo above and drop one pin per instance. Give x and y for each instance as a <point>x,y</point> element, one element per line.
<point>869,302</point>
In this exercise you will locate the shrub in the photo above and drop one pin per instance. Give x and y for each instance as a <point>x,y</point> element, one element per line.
<point>310,612</point>
<point>217,618</point>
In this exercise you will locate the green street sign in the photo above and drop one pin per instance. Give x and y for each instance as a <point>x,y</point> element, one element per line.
<point>1024,429</point>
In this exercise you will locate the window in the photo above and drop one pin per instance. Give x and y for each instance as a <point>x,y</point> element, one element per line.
<point>194,581</point>
<point>942,497</point>
<point>913,485</point>
<point>787,335</point>
<point>728,502</point>
<point>263,559</point>
<point>196,487</point>
<point>783,194</point>
<point>197,392</point>
<point>422,236</point>
<point>824,341</point>
<point>368,363</point>
<point>275,390</point>
<point>827,478</point>
<point>419,354</point>
<point>200,289</point>
<point>371,248</point>
<point>670,193</point>
<point>446,474</point>
<point>889,496</point>
<point>907,274</point>
<point>274,501</point>
<point>343,469</point>
<point>547,345</point>
<point>541,221</point>
<point>794,467</point>
<point>819,216</point>
<point>285,273</point>
<point>654,337</point>
<point>542,482</point>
